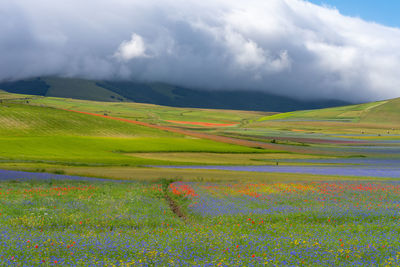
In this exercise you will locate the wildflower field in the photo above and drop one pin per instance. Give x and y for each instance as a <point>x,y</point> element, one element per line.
<point>197,187</point>
<point>106,223</point>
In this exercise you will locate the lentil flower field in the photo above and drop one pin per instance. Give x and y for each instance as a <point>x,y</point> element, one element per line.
<point>109,223</point>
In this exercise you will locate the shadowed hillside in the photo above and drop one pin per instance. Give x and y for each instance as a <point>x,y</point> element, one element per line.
<point>162,94</point>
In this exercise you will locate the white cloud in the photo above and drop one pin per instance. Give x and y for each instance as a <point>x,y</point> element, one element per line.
<point>290,47</point>
<point>246,53</point>
<point>134,48</point>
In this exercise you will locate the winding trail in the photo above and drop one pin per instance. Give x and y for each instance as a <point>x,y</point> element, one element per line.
<point>175,208</point>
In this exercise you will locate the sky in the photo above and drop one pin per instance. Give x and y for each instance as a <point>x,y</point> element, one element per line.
<point>347,50</point>
<point>384,12</point>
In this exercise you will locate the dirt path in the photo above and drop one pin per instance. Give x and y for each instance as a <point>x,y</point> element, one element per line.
<point>176,208</point>
<point>217,138</point>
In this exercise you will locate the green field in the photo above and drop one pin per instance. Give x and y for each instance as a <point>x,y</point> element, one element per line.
<point>149,112</point>
<point>86,223</point>
<point>145,215</point>
<point>354,113</point>
<point>33,133</point>
<point>36,129</point>
<point>377,118</point>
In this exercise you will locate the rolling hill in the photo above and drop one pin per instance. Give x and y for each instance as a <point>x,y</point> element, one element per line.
<point>369,121</point>
<point>380,112</point>
<point>162,94</point>
<point>38,133</point>
<point>42,131</point>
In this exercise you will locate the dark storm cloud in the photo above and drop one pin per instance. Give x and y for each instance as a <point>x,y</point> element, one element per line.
<point>285,46</point>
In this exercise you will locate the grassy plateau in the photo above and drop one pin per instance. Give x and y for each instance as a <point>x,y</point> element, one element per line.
<point>86,183</point>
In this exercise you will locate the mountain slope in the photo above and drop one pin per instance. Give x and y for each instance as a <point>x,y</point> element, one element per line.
<point>380,112</point>
<point>59,87</point>
<point>80,89</point>
<point>162,94</point>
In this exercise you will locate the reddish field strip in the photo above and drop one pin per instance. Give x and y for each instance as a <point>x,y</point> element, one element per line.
<point>207,124</point>
<point>217,138</point>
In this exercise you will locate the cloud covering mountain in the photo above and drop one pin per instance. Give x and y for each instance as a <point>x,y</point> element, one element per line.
<point>290,47</point>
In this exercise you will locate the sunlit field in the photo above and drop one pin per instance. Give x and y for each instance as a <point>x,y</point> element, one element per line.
<point>199,133</point>
<point>159,186</point>
<point>83,223</point>
<point>97,223</point>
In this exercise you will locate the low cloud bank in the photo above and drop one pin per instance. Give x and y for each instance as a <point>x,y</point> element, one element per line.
<point>290,47</point>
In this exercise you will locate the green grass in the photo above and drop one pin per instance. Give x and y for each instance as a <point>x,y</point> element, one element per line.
<point>376,112</point>
<point>279,116</point>
<point>149,112</point>
<point>386,113</point>
<point>285,218</point>
<point>28,120</point>
<point>8,96</point>
<point>375,120</point>
<point>105,150</point>
<point>44,134</point>
<point>36,129</point>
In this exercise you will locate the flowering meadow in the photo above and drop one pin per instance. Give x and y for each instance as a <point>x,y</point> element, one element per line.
<point>299,224</point>
<point>83,223</point>
<point>102,223</point>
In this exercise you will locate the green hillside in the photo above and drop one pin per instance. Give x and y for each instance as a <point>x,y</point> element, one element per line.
<point>376,119</point>
<point>388,112</point>
<point>41,130</point>
<point>31,120</point>
<point>149,112</point>
<point>36,133</point>
<point>375,112</point>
